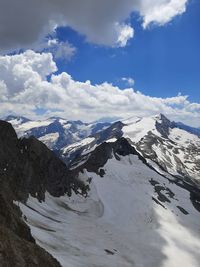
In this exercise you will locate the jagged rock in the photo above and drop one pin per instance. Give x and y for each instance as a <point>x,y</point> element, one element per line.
<point>26,167</point>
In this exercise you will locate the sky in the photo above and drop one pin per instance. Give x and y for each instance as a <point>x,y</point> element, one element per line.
<point>163,61</point>
<point>92,59</point>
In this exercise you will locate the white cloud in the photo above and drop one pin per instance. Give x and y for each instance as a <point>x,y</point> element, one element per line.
<point>65,51</point>
<point>60,50</point>
<point>19,71</point>
<point>161,12</point>
<point>126,32</point>
<point>128,80</point>
<point>24,88</point>
<point>102,22</point>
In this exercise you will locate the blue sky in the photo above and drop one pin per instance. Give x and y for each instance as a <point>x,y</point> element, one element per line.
<point>163,61</point>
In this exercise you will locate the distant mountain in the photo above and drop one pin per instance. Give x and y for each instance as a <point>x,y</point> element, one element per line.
<point>187,128</point>
<point>55,132</point>
<point>16,119</point>
<point>164,145</point>
<point>173,147</point>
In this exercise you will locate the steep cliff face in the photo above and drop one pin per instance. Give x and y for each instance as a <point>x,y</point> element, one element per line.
<point>27,167</point>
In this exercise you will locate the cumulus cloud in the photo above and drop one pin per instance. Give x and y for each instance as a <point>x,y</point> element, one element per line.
<point>24,88</point>
<point>162,12</point>
<point>102,22</point>
<point>19,71</point>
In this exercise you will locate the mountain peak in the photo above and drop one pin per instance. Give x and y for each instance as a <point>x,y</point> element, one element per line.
<point>163,124</point>
<point>16,119</point>
<point>161,117</point>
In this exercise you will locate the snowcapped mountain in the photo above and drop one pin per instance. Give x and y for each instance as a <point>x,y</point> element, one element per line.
<point>132,196</point>
<point>132,215</point>
<point>164,145</point>
<point>55,132</point>
<point>16,120</point>
<point>174,150</point>
<point>168,146</point>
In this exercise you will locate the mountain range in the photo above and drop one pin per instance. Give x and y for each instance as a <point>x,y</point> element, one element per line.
<point>172,147</point>
<point>120,194</point>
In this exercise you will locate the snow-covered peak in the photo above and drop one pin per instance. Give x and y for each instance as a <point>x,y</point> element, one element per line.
<point>136,128</point>
<point>55,132</point>
<point>16,120</point>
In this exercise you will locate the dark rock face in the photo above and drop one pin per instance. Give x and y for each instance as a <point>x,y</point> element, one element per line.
<point>31,167</point>
<point>102,153</point>
<point>123,148</point>
<point>163,126</point>
<point>98,158</point>
<point>26,167</point>
<point>20,252</point>
<point>43,170</point>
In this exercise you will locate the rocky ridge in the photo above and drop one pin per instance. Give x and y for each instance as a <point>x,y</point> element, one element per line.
<point>27,167</point>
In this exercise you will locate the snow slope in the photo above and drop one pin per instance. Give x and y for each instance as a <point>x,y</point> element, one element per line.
<point>132,217</point>
<point>136,128</point>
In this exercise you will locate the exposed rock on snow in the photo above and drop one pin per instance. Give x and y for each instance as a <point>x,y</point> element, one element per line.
<point>133,195</point>
<point>132,217</point>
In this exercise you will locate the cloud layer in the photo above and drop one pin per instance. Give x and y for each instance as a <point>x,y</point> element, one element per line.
<point>24,22</point>
<point>24,88</point>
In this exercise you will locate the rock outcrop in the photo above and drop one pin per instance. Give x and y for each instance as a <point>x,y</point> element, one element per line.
<point>26,167</point>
